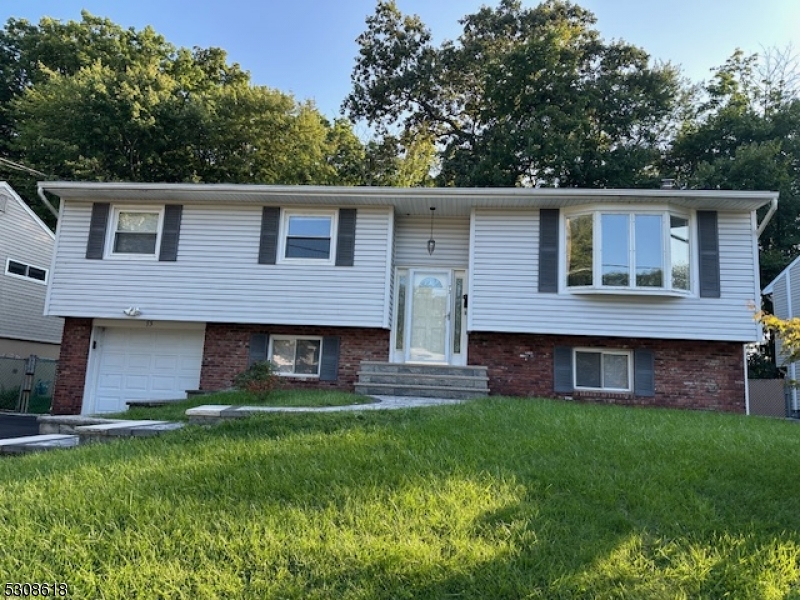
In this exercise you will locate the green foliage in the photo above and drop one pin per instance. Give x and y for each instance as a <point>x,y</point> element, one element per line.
<point>9,398</point>
<point>745,135</point>
<point>259,379</point>
<point>501,498</point>
<point>524,96</point>
<point>90,100</point>
<point>761,366</point>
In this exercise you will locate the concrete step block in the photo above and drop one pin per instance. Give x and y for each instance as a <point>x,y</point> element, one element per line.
<point>37,443</point>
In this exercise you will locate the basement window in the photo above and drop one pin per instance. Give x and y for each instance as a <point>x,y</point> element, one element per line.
<point>296,356</point>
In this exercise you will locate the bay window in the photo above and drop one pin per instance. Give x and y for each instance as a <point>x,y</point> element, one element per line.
<point>618,250</point>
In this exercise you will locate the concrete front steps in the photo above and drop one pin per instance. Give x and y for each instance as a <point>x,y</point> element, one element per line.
<point>422,381</point>
<point>70,431</point>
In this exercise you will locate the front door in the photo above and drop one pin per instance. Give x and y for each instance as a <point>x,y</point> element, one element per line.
<point>429,317</point>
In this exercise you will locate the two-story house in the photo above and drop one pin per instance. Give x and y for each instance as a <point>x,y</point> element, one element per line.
<point>26,250</point>
<point>628,296</point>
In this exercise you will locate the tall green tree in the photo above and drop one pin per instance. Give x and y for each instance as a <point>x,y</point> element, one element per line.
<point>744,134</point>
<point>90,100</point>
<point>524,96</point>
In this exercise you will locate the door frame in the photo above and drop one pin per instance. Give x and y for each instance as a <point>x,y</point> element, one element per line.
<point>400,341</point>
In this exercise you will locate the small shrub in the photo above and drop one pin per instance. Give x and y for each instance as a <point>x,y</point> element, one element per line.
<point>8,398</point>
<point>260,379</point>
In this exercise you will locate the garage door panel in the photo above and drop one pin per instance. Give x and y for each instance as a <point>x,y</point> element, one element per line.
<point>162,384</point>
<point>111,381</point>
<point>139,361</point>
<point>113,359</point>
<point>165,363</point>
<point>146,364</point>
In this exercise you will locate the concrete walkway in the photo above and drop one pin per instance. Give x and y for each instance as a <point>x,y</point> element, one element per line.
<point>213,412</point>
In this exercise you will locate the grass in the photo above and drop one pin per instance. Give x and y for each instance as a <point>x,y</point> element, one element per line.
<point>497,498</point>
<point>176,411</point>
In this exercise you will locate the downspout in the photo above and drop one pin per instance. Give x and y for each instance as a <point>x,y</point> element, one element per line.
<point>746,383</point>
<point>44,199</point>
<point>773,206</point>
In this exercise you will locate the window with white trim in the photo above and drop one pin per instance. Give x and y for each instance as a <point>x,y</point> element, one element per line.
<point>617,250</point>
<point>17,268</point>
<point>135,232</point>
<point>308,235</point>
<point>296,356</point>
<point>606,370</point>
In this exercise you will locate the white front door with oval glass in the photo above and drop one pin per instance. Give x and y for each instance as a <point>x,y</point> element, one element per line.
<point>429,317</point>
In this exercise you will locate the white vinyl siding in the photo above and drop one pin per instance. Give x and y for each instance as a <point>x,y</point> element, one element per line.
<point>452,241</point>
<point>217,277</point>
<point>780,306</point>
<point>24,239</point>
<point>504,284</point>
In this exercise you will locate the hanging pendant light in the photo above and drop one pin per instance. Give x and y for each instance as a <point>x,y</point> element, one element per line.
<point>431,241</point>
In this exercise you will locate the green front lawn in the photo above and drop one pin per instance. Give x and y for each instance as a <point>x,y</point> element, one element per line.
<point>497,498</point>
<point>176,411</point>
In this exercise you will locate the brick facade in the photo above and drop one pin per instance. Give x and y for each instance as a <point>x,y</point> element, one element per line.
<point>688,374</point>
<point>227,349</point>
<point>72,363</point>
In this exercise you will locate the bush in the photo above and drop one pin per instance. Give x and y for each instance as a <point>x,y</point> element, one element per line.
<point>8,398</point>
<point>259,379</point>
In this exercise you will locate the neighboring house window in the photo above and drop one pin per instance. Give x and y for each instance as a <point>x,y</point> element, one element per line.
<point>608,370</point>
<point>308,235</point>
<point>620,250</point>
<point>136,232</point>
<point>296,356</point>
<point>16,268</point>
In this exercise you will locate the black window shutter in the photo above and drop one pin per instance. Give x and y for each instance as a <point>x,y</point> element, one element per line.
<point>708,244</point>
<point>268,247</point>
<point>644,373</point>
<point>97,230</point>
<point>548,250</point>
<point>562,369</point>
<point>258,348</point>
<point>171,232</point>
<point>346,238</point>
<point>329,367</point>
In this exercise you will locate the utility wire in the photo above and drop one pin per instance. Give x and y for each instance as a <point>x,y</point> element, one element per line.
<point>19,167</point>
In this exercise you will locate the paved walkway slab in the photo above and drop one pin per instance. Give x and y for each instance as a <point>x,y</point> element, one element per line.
<point>32,443</point>
<point>214,412</point>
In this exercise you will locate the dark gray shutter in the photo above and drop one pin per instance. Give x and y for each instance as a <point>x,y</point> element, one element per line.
<point>346,238</point>
<point>268,248</point>
<point>171,232</point>
<point>97,230</point>
<point>708,243</point>
<point>562,369</point>
<point>548,250</point>
<point>329,367</point>
<point>258,348</point>
<point>644,373</point>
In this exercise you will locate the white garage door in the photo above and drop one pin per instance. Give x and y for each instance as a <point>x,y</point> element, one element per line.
<point>145,364</point>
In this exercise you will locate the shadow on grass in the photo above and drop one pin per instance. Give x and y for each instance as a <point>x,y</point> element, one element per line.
<point>496,498</point>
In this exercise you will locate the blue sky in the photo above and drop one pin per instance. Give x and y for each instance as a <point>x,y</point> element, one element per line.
<point>307,47</point>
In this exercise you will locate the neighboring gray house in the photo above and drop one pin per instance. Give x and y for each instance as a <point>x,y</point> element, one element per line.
<point>26,251</point>
<point>627,296</point>
<point>785,293</point>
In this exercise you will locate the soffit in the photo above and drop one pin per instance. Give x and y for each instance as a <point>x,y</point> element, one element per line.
<point>407,201</point>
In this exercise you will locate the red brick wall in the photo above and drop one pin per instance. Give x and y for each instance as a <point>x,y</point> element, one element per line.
<point>71,372</point>
<point>688,374</point>
<point>227,349</point>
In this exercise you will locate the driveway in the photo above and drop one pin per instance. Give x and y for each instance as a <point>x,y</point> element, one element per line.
<point>12,426</point>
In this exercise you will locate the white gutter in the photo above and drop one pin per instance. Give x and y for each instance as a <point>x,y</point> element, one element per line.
<point>44,199</point>
<point>773,206</point>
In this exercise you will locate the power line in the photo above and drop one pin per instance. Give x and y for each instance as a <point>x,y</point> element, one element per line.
<point>19,167</point>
